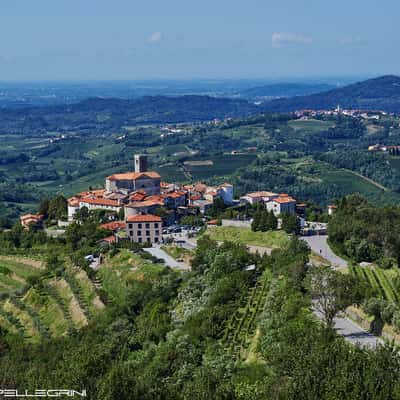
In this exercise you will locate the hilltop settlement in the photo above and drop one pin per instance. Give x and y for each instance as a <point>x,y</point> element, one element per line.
<point>137,198</point>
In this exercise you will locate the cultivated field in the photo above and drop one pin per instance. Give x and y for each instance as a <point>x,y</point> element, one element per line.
<point>271,239</point>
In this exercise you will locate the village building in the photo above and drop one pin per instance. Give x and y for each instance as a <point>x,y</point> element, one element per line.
<point>129,182</point>
<point>258,197</point>
<point>145,228</point>
<point>30,219</point>
<point>283,204</point>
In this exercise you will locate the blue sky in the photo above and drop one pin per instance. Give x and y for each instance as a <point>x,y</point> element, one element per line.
<point>132,39</point>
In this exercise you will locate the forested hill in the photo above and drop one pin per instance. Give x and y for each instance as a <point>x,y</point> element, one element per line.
<point>381,93</point>
<point>276,90</point>
<point>102,113</point>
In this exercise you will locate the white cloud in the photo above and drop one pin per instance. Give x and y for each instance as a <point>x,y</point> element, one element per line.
<point>352,41</point>
<point>155,37</point>
<point>282,39</point>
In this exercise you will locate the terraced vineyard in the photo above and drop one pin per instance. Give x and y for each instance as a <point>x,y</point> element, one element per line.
<point>52,307</point>
<point>382,281</point>
<point>15,271</point>
<point>242,326</point>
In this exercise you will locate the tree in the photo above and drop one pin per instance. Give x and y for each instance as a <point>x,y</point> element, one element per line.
<point>255,224</point>
<point>290,223</point>
<point>331,292</point>
<point>57,208</point>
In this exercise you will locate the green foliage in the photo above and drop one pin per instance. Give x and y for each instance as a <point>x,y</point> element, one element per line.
<point>290,223</point>
<point>365,232</point>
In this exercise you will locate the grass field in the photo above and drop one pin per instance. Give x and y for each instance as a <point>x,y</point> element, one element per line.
<point>311,125</point>
<point>272,239</point>
<point>222,166</point>
<point>118,272</point>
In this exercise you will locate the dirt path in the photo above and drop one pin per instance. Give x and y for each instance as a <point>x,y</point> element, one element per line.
<point>372,182</point>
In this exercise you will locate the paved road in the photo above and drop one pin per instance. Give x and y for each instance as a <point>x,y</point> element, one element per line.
<point>170,261</point>
<point>320,246</point>
<point>353,333</point>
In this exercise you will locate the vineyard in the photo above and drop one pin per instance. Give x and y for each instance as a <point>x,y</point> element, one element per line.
<point>383,282</point>
<point>14,272</point>
<point>51,307</point>
<point>242,326</point>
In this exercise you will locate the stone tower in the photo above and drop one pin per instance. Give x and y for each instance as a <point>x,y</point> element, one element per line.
<point>140,163</point>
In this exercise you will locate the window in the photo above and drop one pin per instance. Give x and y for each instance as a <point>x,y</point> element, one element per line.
<point>139,233</point>
<point>140,240</point>
<point>147,226</point>
<point>130,226</point>
<point>147,233</point>
<point>157,233</point>
<point>156,225</point>
<point>139,226</point>
<point>131,233</point>
<point>156,240</point>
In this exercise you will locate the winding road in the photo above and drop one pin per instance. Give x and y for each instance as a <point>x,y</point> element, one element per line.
<point>319,245</point>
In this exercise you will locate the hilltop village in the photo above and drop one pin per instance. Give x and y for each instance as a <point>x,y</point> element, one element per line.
<point>136,197</point>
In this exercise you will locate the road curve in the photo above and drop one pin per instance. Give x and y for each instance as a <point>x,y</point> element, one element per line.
<point>319,245</point>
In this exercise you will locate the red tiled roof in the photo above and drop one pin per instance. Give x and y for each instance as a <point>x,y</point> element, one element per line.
<point>261,194</point>
<point>175,195</point>
<point>94,192</point>
<point>73,202</point>
<point>143,218</point>
<point>108,239</point>
<point>133,176</point>
<point>137,196</point>
<point>33,217</point>
<point>114,225</point>
<point>100,202</point>
<point>146,203</point>
<point>284,199</point>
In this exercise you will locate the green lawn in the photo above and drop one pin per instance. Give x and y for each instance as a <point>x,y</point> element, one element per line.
<point>118,272</point>
<point>271,239</point>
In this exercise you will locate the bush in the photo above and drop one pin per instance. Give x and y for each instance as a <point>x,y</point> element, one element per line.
<point>387,262</point>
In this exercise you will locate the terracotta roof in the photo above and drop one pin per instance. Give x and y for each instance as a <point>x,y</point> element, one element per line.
<point>100,202</point>
<point>261,194</point>
<point>114,225</point>
<point>133,176</point>
<point>165,184</point>
<point>73,201</point>
<point>94,192</point>
<point>137,196</point>
<point>284,199</point>
<point>33,217</point>
<point>108,239</point>
<point>145,203</point>
<point>175,195</point>
<point>143,218</point>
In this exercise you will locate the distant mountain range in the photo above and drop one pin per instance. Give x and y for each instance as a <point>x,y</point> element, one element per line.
<point>381,93</point>
<point>105,114</point>
<point>285,90</point>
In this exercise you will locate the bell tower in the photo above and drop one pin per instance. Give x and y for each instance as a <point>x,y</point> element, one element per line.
<point>140,161</point>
